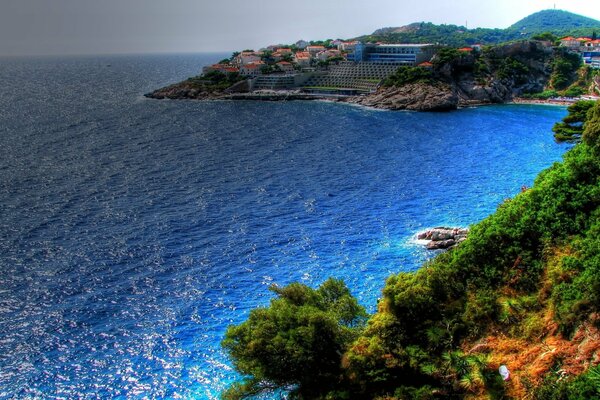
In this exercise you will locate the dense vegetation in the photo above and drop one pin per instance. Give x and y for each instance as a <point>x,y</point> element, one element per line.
<point>564,69</point>
<point>571,127</point>
<point>296,342</point>
<point>522,290</point>
<point>215,80</point>
<point>528,68</point>
<point>557,22</point>
<point>405,75</point>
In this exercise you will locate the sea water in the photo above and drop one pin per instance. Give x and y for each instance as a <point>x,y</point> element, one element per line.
<point>134,231</point>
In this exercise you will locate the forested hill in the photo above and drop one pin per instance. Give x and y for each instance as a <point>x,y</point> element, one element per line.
<point>553,20</point>
<point>558,22</point>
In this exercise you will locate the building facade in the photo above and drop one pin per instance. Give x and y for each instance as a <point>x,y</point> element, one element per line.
<point>398,54</point>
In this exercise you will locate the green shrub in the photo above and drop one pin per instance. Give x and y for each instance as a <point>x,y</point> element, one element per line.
<point>571,127</point>
<point>405,75</point>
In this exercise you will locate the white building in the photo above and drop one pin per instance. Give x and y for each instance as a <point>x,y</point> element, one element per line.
<point>247,57</point>
<point>347,46</point>
<point>252,69</point>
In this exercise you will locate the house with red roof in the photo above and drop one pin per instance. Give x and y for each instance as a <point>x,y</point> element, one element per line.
<point>252,69</point>
<point>314,50</point>
<point>570,42</point>
<point>224,68</point>
<point>592,44</point>
<point>286,67</point>
<point>302,58</point>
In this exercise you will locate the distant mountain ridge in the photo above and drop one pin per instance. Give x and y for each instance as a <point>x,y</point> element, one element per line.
<point>554,20</point>
<point>558,22</point>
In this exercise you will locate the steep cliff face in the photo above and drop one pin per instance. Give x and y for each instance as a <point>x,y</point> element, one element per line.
<point>500,73</point>
<point>495,75</point>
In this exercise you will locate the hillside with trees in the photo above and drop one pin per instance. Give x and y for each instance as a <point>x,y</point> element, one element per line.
<point>557,22</point>
<point>523,291</point>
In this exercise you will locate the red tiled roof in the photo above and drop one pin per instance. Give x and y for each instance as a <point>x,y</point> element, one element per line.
<point>465,49</point>
<point>568,38</point>
<point>425,64</point>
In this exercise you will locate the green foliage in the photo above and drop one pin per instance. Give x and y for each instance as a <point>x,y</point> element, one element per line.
<point>573,91</point>
<point>446,55</point>
<point>556,21</point>
<point>511,68</point>
<point>545,36</point>
<point>583,387</point>
<point>215,80</point>
<point>456,296</point>
<point>296,342</point>
<point>564,69</point>
<point>412,393</point>
<point>545,95</point>
<point>539,26</point>
<point>591,133</point>
<point>571,127</point>
<point>405,75</point>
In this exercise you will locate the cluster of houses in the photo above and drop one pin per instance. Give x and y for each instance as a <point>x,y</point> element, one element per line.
<point>282,59</point>
<point>304,56</point>
<point>588,48</point>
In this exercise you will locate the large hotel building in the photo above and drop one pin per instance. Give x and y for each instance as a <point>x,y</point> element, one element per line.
<point>397,54</point>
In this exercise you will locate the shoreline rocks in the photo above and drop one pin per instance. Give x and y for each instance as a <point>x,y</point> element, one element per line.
<point>185,90</point>
<point>441,238</point>
<point>413,97</point>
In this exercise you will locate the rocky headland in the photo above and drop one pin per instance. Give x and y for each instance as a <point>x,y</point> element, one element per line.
<point>454,79</point>
<point>197,89</point>
<point>492,76</point>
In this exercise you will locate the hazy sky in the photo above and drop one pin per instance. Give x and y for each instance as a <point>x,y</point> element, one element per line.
<point>139,26</point>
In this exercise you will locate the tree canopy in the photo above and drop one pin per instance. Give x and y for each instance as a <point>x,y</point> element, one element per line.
<point>297,342</point>
<point>571,127</point>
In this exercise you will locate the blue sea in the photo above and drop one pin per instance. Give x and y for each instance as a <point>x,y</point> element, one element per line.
<point>134,231</point>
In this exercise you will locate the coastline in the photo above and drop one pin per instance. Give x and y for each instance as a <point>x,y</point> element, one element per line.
<point>550,102</point>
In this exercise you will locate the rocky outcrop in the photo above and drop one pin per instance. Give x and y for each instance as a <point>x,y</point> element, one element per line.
<point>415,97</point>
<point>495,76</point>
<point>186,90</point>
<point>443,237</point>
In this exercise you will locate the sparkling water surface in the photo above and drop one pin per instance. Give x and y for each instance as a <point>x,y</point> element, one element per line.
<point>134,231</point>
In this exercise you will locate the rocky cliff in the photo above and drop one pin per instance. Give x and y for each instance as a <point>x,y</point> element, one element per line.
<point>419,96</point>
<point>494,75</point>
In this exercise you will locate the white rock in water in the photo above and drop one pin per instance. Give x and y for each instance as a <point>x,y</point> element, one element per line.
<point>504,372</point>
